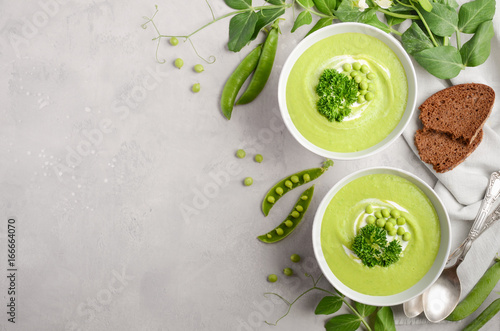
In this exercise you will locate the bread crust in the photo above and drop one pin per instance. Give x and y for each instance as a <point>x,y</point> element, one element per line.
<point>442,151</point>
<point>459,111</point>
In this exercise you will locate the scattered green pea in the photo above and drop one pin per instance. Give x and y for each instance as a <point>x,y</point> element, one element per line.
<point>279,231</point>
<point>395,213</point>
<point>179,63</point>
<point>371,76</point>
<point>363,85</point>
<point>407,236</point>
<point>369,96</point>
<point>294,179</point>
<point>392,220</point>
<point>363,92</point>
<point>299,209</point>
<point>295,258</point>
<point>240,153</point>
<point>364,68</point>
<point>304,197</point>
<point>279,190</point>
<point>356,66</point>
<point>401,231</point>
<point>259,158</point>
<point>306,178</point>
<point>378,214</point>
<point>389,226</point>
<point>199,68</point>
<point>371,87</point>
<point>270,199</point>
<point>358,79</point>
<point>380,222</point>
<point>288,271</point>
<point>392,232</point>
<point>269,235</point>
<point>354,73</point>
<point>248,181</point>
<point>361,99</point>
<point>401,221</point>
<point>347,67</point>
<point>371,219</point>
<point>369,209</point>
<point>288,223</point>
<point>174,41</point>
<point>386,212</point>
<point>196,88</point>
<point>288,184</point>
<point>295,214</point>
<point>272,278</point>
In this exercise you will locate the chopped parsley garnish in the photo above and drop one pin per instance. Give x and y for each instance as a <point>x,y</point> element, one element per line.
<point>337,92</point>
<point>372,248</point>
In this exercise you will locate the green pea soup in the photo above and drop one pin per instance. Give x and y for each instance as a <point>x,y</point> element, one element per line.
<point>342,220</point>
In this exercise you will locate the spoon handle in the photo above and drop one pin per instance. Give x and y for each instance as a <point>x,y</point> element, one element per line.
<point>492,194</point>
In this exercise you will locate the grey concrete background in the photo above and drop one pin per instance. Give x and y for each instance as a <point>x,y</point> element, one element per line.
<point>130,208</point>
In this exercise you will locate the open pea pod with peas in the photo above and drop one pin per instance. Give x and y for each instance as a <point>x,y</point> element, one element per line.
<point>291,221</point>
<point>289,183</point>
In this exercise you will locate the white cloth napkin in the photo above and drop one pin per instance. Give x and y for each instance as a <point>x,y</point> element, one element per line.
<point>463,188</point>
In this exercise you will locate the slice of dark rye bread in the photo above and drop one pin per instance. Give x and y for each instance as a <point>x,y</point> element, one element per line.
<point>459,111</point>
<point>442,151</point>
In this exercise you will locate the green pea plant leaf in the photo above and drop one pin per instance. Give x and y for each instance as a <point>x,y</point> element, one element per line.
<point>477,49</point>
<point>239,4</point>
<point>426,5</point>
<point>444,62</point>
<point>385,320</point>
<point>442,19</point>
<point>306,3</point>
<point>415,40</point>
<point>473,13</point>
<point>325,6</point>
<point>452,3</point>
<point>276,2</point>
<point>304,18</point>
<point>321,23</point>
<point>365,310</point>
<point>266,16</point>
<point>329,305</point>
<point>346,322</point>
<point>349,12</point>
<point>241,29</point>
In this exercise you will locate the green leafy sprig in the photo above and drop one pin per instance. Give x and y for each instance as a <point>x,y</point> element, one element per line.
<point>337,92</point>
<point>330,304</point>
<point>427,39</point>
<point>372,248</point>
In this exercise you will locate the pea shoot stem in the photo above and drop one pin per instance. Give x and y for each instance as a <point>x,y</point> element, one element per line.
<point>426,27</point>
<point>315,287</point>
<point>315,12</point>
<point>459,44</point>
<point>389,13</point>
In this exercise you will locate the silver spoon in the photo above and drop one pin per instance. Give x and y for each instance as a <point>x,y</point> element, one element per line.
<point>415,306</point>
<point>443,296</point>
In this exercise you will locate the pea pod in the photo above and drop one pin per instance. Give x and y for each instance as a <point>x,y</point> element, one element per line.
<point>478,294</point>
<point>264,67</point>
<point>484,317</point>
<point>236,80</point>
<point>292,221</point>
<point>286,184</point>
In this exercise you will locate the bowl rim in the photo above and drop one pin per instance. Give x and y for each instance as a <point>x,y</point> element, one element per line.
<point>426,281</point>
<point>329,31</point>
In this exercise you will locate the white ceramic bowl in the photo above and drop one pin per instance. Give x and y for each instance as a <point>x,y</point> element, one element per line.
<point>329,31</point>
<point>429,278</point>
